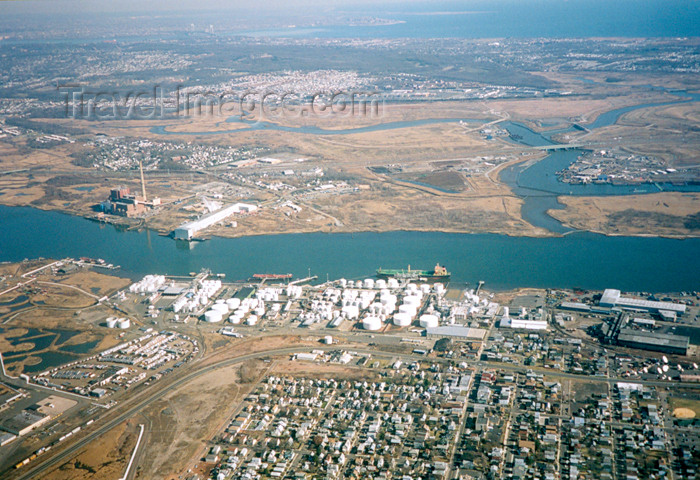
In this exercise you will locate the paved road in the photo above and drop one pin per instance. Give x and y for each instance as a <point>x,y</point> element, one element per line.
<point>40,465</point>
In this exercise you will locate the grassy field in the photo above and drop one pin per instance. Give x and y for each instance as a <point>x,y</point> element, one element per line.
<point>672,214</point>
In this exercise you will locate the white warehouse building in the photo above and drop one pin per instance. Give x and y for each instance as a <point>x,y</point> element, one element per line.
<point>188,230</point>
<point>613,298</point>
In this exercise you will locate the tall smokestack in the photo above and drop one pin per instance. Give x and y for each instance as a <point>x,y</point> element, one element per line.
<point>143,183</point>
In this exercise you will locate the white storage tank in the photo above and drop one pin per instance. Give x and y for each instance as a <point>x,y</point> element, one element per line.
<point>124,323</point>
<point>233,303</point>
<point>425,288</point>
<point>372,323</point>
<point>412,300</point>
<point>235,319</point>
<point>388,299</point>
<point>111,322</point>
<point>402,320</point>
<point>369,283</point>
<point>393,283</point>
<point>409,309</point>
<point>380,284</point>
<point>428,321</point>
<point>220,307</point>
<point>252,320</point>
<point>213,316</point>
<point>439,288</point>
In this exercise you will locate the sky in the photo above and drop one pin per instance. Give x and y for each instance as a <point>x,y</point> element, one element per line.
<point>500,18</point>
<point>48,6</point>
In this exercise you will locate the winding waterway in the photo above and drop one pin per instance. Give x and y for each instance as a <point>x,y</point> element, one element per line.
<point>536,183</point>
<point>580,259</point>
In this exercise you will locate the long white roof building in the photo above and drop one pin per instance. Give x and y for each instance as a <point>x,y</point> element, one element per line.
<point>188,230</point>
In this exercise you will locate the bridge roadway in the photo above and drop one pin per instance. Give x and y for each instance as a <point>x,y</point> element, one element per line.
<point>41,464</point>
<point>560,146</point>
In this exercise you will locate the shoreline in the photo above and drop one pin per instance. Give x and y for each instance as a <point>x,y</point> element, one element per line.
<point>129,226</point>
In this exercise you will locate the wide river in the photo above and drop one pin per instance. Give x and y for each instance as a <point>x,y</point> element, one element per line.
<point>576,260</point>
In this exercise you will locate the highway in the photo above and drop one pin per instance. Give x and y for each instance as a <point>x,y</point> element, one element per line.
<point>40,465</point>
<point>36,468</point>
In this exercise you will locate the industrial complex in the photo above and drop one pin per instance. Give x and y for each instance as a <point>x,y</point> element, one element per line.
<point>451,380</point>
<point>123,203</point>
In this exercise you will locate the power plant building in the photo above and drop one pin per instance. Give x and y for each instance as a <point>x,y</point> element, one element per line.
<point>188,230</point>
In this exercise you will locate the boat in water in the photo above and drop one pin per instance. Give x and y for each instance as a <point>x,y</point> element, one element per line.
<point>438,274</point>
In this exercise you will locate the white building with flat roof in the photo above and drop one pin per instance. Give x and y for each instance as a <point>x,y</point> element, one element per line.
<point>188,230</point>
<point>613,298</point>
<point>523,323</point>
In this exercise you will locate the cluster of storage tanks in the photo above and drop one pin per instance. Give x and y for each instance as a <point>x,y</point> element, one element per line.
<point>252,308</point>
<point>320,310</point>
<point>413,295</point>
<point>269,294</point>
<point>148,284</point>
<point>114,322</point>
<point>369,283</point>
<point>373,296</point>
<point>194,300</point>
<point>293,291</point>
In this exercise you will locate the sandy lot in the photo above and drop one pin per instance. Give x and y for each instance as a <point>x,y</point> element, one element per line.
<point>105,458</point>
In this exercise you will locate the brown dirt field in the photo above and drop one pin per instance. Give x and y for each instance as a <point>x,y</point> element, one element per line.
<point>103,458</point>
<point>88,279</point>
<point>245,346</point>
<point>507,297</point>
<point>181,423</point>
<point>664,214</point>
<point>683,413</point>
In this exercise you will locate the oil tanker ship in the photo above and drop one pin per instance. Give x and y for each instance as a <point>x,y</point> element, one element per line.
<point>438,274</point>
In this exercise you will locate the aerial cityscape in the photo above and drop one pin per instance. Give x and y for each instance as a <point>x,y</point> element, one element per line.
<point>314,240</point>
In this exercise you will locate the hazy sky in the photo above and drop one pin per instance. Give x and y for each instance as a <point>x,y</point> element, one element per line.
<point>46,6</point>
<point>497,18</point>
